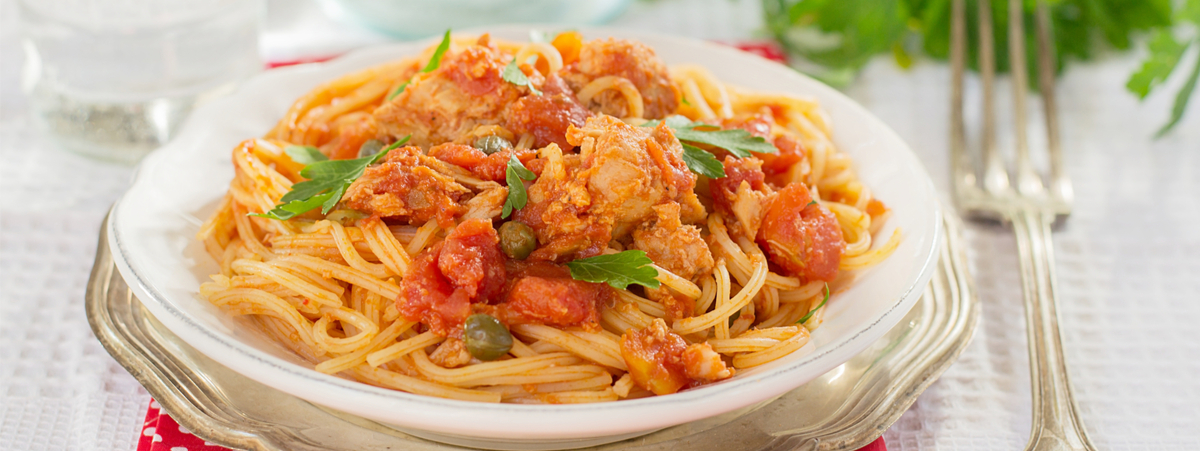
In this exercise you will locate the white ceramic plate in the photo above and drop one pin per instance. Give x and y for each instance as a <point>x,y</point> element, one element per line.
<point>153,226</point>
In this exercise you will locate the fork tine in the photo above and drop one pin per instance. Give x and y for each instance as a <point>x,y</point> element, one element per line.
<point>1028,181</point>
<point>995,177</point>
<point>962,170</point>
<point>1060,185</point>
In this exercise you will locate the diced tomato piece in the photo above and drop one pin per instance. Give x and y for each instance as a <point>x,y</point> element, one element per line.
<point>444,280</point>
<point>654,356</point>
<point>801,236</point>
<point>547,116</point>
<point>737,170</point>
<point>555,301</point>
<point>791,152</point>
<point>425,296</point>
<point>471,259</point>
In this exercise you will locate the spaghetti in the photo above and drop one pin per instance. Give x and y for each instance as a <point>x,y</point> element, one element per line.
<point>380,288</point>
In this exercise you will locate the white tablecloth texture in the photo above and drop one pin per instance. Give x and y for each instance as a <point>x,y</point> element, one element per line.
<point>1128,259</point>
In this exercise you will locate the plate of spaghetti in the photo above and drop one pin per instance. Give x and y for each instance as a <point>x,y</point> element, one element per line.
<point>531,239</point>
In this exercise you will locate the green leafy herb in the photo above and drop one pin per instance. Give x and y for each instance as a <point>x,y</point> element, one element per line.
<point>1165,52</point>
<point>399,89</point>
<point>1181,100</point>
<point>432,65</point>
<point>737,141</point>
<point>813,202</point>
<point>811,312</point>
<point>618,270</point>
<point>305,154</point>
<point>436,59</point>
<point>514,175</point>
<point>327,182</point>
<point>702,162</point>
<point>836,38</point>
<point>512,74</point>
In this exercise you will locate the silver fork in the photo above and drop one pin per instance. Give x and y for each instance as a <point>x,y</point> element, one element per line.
<point>1029,205</point>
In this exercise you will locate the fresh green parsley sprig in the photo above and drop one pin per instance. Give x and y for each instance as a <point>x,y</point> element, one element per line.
<point>813,311</point>
<point>512,74</point>
<point>840,36</point>
<point>619,270</point>
<point>434,62</point>
<point>737,141</point>
<point>513,175</point>
<point>327,181</point>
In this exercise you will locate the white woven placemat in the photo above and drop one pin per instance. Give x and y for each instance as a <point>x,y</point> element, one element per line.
<point>1129,266</point>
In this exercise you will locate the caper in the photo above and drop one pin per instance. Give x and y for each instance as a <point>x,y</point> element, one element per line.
<point>517,240</point>
<point>485,337</point>
<point>492,144</point>
<point>371,147</point>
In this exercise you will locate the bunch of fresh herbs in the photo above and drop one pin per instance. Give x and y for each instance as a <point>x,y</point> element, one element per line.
<point>840,36</point>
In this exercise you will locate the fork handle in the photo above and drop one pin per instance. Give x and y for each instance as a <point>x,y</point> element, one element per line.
<point>1056,422</point>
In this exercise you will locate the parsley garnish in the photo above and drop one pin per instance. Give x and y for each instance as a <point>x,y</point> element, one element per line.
<point>813,202</point>
<point>737,141</point>
<point>514,175</point>
<point>702,162</point>
<point>432,65</point>
<point>618,270</point>
<point>513,74</point>
<point>305,154</point>
<point>327,182</point>
<point>811,312</point>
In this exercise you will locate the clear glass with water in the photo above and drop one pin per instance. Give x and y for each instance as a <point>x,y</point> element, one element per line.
<point>114,79</point>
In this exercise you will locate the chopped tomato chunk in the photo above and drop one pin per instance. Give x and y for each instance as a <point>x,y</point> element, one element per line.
<point>471,259</point>
<point>737,170</point>
<point>548,116</point>
<point>425,295</point>
<point>802,236</point>
<point>447,278</point>
<point>556,301</point>
<point>654,356</point>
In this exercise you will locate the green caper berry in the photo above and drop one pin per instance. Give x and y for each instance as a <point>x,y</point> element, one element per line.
<point>492,144</point>
<point>517,240</point>
<point>371,147</point>
<point>485,337</point>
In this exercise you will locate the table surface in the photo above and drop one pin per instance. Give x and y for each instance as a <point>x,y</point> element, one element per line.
<point>1128,258</point>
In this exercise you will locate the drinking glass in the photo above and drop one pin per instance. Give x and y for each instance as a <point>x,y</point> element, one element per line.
<point>114,79</point>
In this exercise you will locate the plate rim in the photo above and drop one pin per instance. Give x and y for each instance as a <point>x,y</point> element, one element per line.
<point>208,342</point>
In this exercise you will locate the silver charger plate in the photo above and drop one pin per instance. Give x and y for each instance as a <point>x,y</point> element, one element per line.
<point>844,409</point>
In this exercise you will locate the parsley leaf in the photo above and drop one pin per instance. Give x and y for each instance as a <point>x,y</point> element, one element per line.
<point>618,270</point>
<point>1181,100</point>
<point>1164,55</point>
<point>432,65</point>
<point>702,162</point>
<point>399,89</point>
<point>514,175</point>
<point>811,312</point>
<point>305,154</point>
<point>737,141</point>
<point>327,182</point>
<point>513,74</point>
